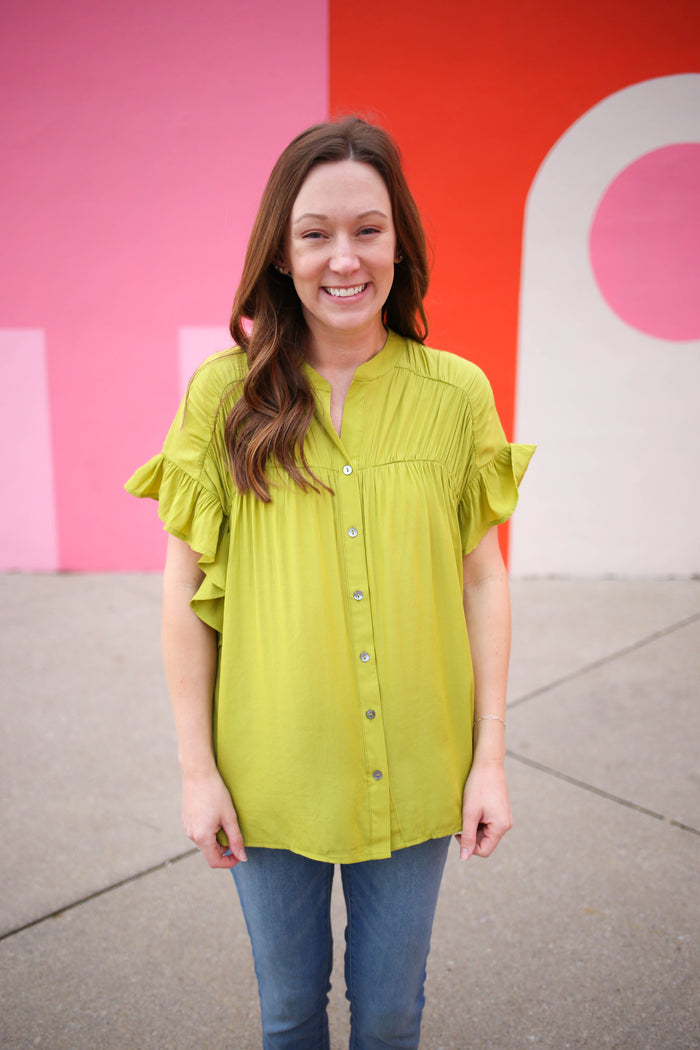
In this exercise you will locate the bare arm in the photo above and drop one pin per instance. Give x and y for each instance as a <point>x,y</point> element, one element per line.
<point>190,656</point>
<point>486,812</point>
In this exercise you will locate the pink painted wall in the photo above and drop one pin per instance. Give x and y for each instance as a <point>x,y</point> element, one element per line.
<point>137,140</point>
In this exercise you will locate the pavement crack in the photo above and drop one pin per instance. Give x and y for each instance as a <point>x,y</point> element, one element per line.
<point>685,827</point>
<point>648,639</point>
<point>592,789</point>
<point>97,893</point>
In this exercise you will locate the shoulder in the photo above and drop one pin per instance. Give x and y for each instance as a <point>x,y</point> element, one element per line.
<point>448,369</point>
<point>216,385</point>
<point>209,397</point>
<point>219,373</point>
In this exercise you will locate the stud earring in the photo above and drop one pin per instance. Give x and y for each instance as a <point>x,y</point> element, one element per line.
<point>399,258</point>
<point>281,270</point>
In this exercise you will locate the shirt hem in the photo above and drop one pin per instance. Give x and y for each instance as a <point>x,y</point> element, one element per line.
<point>341,857</point>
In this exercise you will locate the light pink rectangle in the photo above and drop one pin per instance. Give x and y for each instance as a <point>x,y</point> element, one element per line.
<point>28,531</point>
<point>195,344</point>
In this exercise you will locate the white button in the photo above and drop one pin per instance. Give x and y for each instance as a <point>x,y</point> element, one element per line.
<point>352,533</point>
<point>370,714</point>
<point>364,657</point>
<point>347,469</point>
<point>377,774</point>
<point>358,596</point>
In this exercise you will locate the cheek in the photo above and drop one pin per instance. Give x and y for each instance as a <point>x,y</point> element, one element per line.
<point>390,269</point>
<point>303,279</point>
<point>303,264</point>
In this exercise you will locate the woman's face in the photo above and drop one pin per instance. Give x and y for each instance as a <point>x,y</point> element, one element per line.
<point>340,249</point>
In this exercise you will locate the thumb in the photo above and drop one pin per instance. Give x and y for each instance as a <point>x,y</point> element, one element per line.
<point>467,837</point>
<point>235,839</point>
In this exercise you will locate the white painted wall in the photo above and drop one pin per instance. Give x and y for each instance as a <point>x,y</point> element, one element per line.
<point>614,487</point>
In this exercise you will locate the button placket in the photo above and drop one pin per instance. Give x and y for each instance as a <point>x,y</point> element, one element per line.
<point>359,613</point>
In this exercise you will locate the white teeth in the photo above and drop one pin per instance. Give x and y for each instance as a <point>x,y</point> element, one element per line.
<point>343,293</point>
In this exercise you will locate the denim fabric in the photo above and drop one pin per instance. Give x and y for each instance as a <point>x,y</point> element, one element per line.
<point>390,907</point>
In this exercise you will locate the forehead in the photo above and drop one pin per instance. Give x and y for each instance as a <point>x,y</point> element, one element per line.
<point>343,184</point>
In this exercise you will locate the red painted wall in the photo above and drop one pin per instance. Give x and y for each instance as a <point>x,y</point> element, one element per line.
<point>476,95</point>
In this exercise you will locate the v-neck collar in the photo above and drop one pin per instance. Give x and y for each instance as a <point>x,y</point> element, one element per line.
<point>377,366</point>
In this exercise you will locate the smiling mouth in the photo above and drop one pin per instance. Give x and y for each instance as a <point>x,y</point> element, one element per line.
<point>345,293</point>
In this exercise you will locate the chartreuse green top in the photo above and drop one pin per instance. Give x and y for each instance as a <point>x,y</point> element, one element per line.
<point>344,697</point>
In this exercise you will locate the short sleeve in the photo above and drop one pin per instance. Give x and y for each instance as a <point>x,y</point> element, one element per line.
<point>190,479</point>
<point>494,471</point>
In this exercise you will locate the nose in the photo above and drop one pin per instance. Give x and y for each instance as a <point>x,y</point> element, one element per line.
<point>344,258</point>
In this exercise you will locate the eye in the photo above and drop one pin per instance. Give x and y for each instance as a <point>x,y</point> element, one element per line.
<point>368,231</point>
<point>311,235</point>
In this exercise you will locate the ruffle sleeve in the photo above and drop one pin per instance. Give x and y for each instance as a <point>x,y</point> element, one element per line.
<point>191,481</point>
<point>194,515</point>
<point>494,471</point>
<point>492,494</point>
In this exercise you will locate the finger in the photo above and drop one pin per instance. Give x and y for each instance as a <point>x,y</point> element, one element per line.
<point>468,837</point>
<point>488,837</point>
<point>486,841</point>
<point>466,848</point>
<point>218,856</point>
<point>214,854</point>
<point>236,846</point>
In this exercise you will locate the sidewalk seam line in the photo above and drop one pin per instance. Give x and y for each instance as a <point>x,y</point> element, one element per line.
<point>98,893</point>
<point>580,672</point>
<point>610,658</point>
<point>599,791</point>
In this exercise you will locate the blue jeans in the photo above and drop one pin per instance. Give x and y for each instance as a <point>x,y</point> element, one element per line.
<point>390,905</point>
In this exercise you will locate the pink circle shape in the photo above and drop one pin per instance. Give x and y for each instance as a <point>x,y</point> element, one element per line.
<point>645,243</point>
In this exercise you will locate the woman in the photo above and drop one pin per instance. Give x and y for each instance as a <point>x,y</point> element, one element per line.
<point>332,576</point>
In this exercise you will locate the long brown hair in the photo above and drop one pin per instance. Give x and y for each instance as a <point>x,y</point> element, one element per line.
<point>273,414</point>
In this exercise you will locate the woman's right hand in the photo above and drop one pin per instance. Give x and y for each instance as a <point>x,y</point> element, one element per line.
<point>207,808</point>
<point>190,653</point>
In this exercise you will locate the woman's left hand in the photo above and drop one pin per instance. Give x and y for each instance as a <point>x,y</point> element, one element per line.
<point>486,812</point>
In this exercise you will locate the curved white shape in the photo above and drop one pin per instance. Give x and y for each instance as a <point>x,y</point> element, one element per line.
<point>613,489</point>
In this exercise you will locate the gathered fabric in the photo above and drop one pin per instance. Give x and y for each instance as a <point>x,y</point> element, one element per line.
<point>343,707</point>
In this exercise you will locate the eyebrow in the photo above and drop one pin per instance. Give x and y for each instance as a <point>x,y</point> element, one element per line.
<point>362,215</point>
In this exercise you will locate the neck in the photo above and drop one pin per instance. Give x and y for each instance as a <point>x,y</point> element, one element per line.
<point>344,351</point>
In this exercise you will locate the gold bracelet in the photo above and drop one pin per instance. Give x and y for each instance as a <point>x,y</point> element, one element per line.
<point>490,718</point>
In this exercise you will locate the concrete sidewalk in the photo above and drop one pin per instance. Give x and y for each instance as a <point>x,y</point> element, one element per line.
<point>580,932</point>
